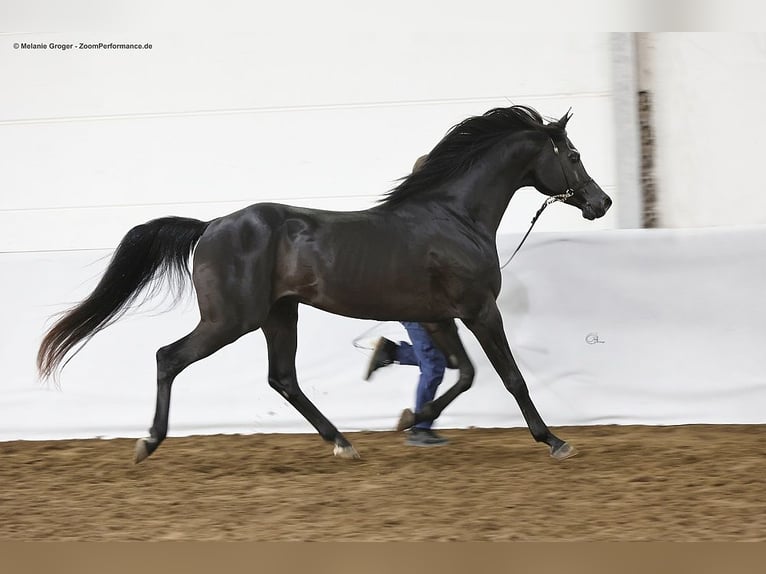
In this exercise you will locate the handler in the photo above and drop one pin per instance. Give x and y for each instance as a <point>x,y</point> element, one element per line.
<point>422,353</point>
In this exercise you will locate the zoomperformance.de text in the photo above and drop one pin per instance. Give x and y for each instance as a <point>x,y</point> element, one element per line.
<point>64,46</point>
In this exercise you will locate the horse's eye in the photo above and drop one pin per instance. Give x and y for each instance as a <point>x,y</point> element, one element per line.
<point>574,156</point>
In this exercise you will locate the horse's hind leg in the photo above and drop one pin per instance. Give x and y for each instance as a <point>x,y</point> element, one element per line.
<point>203,341</point>
<point>281,334</point>
<point>445,336</point>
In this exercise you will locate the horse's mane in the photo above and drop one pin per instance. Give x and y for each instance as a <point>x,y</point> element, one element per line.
<point>464,144</point>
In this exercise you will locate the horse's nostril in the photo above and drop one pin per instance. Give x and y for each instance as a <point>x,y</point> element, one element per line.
<point>607,202</point>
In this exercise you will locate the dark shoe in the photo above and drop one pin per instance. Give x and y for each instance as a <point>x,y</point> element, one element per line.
<point>383,354</point>
<point>424,437</point>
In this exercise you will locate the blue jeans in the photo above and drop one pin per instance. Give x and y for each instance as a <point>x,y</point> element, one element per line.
<point>423,353</point>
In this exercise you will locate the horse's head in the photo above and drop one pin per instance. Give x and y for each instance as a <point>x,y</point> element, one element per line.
<point>559,172</point>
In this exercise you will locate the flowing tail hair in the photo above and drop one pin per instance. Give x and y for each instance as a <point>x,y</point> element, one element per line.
<point>147,253</point>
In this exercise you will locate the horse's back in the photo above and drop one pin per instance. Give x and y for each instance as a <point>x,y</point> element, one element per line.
<point>280,249</point>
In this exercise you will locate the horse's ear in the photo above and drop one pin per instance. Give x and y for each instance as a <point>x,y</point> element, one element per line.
<point>565,118</point>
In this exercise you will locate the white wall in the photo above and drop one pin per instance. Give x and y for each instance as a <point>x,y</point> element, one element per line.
<point>708,92</point>
<point>326,104</point>
<point>319,104</point>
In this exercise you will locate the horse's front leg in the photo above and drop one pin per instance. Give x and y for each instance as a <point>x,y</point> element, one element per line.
<point>488,328</point>
<point>445,336</point>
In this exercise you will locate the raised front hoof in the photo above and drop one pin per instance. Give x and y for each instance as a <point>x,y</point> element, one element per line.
<point>563,452</point>
<point>348,452</point>
<point>143,450</point>
<point>406,420</point>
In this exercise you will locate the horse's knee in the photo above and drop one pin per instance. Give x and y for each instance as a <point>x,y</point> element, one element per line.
<point>465,381</point>
<point>285,387</point>
<point>463,384</point>
<point>516,386</point>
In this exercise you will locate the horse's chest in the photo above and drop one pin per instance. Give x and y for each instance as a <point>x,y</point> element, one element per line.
<point>466,278</point>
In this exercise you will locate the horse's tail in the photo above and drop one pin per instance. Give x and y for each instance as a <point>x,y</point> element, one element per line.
<point>148,252</point>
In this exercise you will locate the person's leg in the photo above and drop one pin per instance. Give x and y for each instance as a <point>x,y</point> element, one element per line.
<point>432,363</point>
<point>387,352</point>
<point>404,354</point>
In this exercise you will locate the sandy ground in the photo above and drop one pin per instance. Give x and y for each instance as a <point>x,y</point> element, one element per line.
<point>628,483</point>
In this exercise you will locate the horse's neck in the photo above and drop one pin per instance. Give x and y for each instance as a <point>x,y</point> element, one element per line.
<point>486,190</point>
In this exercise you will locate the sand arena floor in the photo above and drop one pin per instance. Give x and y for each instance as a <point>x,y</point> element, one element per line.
<point>628,483</point>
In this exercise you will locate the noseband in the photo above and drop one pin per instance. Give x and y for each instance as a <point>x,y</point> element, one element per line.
<point>570,191</point>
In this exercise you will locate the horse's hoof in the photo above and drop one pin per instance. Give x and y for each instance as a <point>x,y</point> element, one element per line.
<point>406,420</point>
<point>564,452</point>
<point>345,452</point>
<point>142,450</point>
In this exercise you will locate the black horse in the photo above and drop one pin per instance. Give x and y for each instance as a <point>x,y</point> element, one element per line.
<point>425,253</point>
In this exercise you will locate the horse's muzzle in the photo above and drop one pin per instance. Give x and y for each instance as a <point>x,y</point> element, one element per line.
<point>591,211</point>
